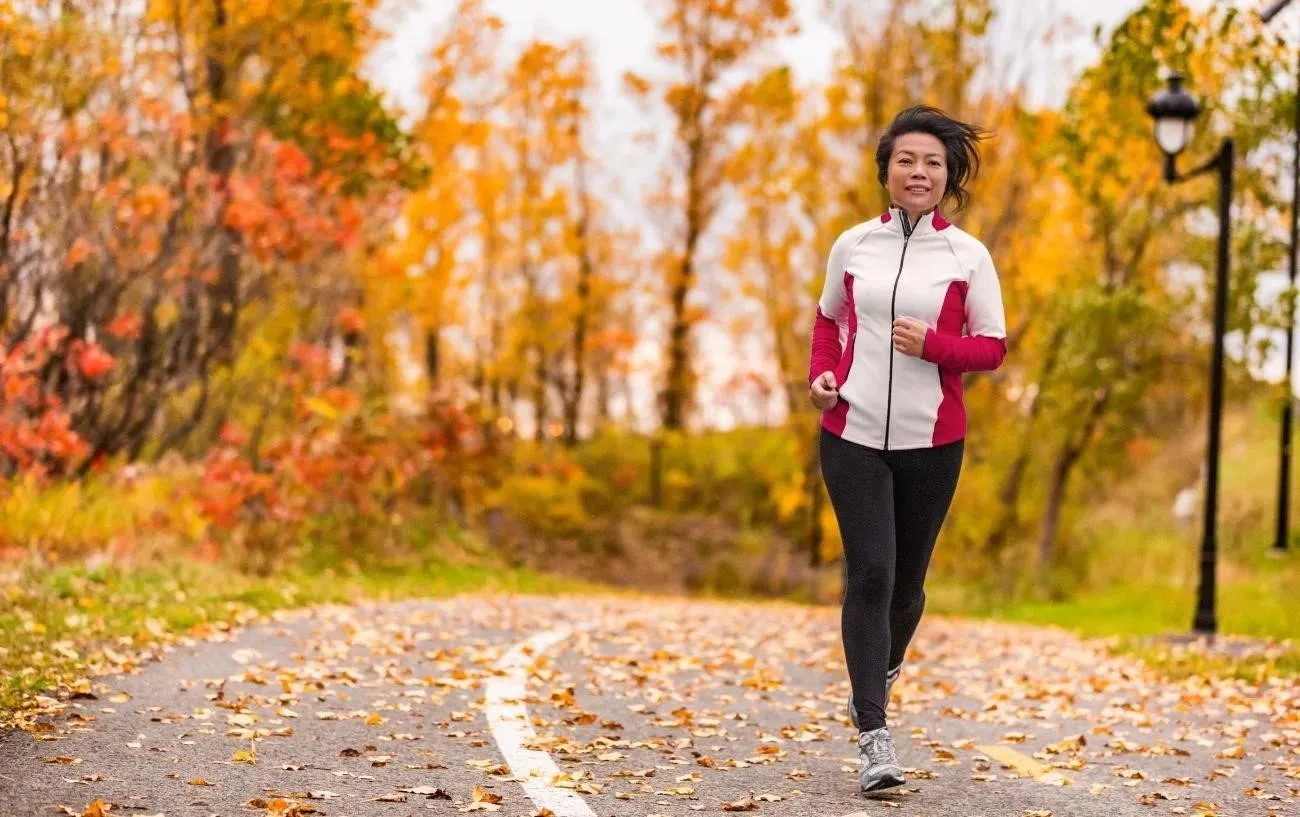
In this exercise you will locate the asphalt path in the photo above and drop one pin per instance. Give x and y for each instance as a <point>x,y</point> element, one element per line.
<point>589,706</point>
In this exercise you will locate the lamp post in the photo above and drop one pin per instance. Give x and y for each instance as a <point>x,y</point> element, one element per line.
<point>1173,110</point>
<point>1288,402</point>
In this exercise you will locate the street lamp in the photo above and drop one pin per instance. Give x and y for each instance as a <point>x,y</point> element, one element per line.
<point>1288,402</point>
<point>1173,110</point>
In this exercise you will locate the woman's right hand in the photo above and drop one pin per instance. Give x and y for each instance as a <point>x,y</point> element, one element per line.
<point>824,391</point>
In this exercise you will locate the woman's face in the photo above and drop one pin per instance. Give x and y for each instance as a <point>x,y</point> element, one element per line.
<point>918,172</point>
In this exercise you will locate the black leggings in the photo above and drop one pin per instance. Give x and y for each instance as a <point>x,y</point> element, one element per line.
<point>890,506</point>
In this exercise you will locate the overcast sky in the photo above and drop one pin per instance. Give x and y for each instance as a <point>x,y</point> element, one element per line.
<point>622,34</point>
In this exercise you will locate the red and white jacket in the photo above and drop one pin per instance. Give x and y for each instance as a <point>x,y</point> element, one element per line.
<point>883,269</point>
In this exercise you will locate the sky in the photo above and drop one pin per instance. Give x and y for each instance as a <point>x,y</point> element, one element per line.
<point>621,34</point>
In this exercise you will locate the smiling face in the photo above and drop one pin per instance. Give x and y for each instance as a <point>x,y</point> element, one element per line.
<point>918,172</point>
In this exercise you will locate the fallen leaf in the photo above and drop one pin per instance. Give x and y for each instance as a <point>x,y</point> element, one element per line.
<point>429,792</point>
<point>97,808</point>
<point>744,804</point>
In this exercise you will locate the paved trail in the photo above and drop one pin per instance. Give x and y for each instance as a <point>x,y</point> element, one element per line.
<point>616,708</point>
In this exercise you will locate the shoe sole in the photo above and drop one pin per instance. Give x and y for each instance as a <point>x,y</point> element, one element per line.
<point>887,781</point>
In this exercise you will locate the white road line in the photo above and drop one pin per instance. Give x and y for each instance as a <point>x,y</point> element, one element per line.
<point>508,719</point>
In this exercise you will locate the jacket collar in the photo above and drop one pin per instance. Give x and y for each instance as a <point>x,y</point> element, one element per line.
<point>896,219</point>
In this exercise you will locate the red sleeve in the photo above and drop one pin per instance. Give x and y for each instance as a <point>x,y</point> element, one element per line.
<point>826,350</point>
<point>970,353</point>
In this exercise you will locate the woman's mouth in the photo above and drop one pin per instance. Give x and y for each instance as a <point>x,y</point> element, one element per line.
<point>917,189</point>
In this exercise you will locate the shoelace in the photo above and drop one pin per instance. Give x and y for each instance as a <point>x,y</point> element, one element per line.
<point>879,747</point>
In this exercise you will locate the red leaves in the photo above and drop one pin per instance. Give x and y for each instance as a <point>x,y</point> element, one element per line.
<point>284,208</point>
<point>232,435</point>
<point>124,326</point>
<point>91,360</point>
<point>311,361</point>
<point>36,434</point>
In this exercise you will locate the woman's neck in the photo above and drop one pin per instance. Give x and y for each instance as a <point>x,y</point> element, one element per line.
<point>913,216</point>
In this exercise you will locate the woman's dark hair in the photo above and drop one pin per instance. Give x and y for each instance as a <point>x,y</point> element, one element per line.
<point>959,142</point>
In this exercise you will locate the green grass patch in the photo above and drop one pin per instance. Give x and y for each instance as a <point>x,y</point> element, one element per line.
<point>60,626</point>
<point>1258,623</point>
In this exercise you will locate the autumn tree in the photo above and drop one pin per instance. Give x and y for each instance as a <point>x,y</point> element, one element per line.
<point>152,193</point>
<point>771,248</point>
<point>704,44</point>
<point>1113,358</point>
<point>416,284</point>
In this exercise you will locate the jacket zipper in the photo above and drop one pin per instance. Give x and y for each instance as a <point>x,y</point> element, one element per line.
<point>893,301</point>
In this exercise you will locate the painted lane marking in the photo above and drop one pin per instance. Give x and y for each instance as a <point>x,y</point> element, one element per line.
<point>1024,764</point>
<point>508,718</point>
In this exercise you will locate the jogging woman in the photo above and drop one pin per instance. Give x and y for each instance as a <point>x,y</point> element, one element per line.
<point>910,302</point>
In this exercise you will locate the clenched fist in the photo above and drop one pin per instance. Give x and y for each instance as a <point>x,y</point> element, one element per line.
<point>824,391</point>
<point>909,336</point>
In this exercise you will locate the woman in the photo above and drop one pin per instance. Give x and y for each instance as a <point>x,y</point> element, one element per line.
<point>888,353</point>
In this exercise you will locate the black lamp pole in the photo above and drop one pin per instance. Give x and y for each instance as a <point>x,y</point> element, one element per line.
<point>1174,106</point>
<point>1288,402</point>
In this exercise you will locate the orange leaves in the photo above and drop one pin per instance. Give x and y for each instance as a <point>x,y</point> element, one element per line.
<point>152,201</point>
<point>350,320</point>
<point>78,252</point>
<point>97,808</point>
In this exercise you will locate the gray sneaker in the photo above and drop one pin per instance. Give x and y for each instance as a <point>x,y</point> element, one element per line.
<point>890,678</point>
<point>880,769</point>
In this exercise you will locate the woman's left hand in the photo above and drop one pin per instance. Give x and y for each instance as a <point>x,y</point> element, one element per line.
<point>909,335</point>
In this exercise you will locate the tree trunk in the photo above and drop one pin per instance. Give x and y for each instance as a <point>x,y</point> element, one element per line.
<point>1009,496</point>
<point>539,395</point>
<point>1061,471</point>
<point>604,394</point>
<point>957,75</point>
<point>586,269</point>
<point>431,357</point>
<point>224,292</point>
<point>1055,500</point>
<point>675,395</point>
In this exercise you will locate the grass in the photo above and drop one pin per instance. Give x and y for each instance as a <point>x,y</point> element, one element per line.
<point>60,626</point>
<point>1139,583</point>
<point>1258,618</point>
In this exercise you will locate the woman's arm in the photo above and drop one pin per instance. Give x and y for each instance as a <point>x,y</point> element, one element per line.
<point>984,346</point>
<point>832,308</point>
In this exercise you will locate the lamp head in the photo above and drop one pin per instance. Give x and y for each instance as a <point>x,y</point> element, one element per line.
<point>1173,110</point>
